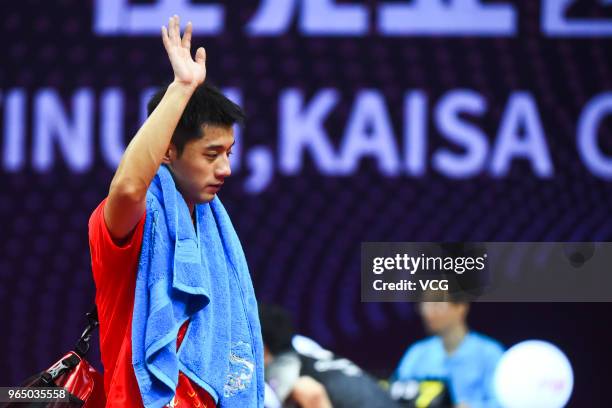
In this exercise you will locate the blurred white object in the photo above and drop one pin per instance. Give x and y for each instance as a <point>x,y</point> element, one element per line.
<point>533,374</point>
<point>308,347</point>
<point>270,398</point>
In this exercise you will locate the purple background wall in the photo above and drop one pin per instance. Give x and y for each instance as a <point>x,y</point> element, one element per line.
<point>302,232</point>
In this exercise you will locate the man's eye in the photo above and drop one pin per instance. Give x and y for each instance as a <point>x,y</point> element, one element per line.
<point>211,155</point>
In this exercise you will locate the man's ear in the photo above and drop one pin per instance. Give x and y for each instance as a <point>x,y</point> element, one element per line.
<point>170,155</point>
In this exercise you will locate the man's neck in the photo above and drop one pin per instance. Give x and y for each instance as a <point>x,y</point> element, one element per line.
<point>192,212</point>
<point>453,337</point>
<point>190,204</point>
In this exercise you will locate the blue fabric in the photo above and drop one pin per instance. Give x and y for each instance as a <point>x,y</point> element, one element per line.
<point>198,274</point>
<point>469,370</point>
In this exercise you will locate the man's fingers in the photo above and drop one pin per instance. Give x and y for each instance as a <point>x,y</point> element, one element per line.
<point>177,29</point>
<point>186,42</point>
<point>165,38</point>
<point>201,56</point>
<point>173,30</point>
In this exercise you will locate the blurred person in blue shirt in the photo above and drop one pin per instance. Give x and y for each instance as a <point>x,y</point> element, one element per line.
<point>463,359</point>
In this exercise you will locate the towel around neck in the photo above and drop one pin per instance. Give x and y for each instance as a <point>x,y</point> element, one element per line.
<point>198,274</point>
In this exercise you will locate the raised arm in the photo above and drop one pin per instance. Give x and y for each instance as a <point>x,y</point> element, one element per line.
<point>143,156</point>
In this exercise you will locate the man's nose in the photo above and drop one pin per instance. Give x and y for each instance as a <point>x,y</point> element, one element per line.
<point>223,169</point>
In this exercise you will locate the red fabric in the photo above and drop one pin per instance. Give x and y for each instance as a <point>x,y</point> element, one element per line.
<point>114,270</point>
<point>82,381</point>
<point>188,394</point>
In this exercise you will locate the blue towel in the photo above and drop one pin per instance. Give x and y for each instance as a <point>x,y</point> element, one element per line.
<point>199,275</point>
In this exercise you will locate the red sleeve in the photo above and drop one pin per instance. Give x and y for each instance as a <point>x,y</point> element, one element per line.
<point>106,255</point>
<point>114,266</point>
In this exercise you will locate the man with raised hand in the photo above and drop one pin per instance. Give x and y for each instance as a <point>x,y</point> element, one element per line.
<point>178,316</point>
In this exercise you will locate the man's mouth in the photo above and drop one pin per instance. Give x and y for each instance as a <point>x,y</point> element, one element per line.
<point>214,187</point>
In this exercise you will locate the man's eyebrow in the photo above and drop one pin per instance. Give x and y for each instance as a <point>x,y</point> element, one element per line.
<point>218,146</point>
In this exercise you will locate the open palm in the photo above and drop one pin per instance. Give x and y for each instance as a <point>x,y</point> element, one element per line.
<point>186,70</point>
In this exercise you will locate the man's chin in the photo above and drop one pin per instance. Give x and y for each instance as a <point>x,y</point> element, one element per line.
<point>206,198</point>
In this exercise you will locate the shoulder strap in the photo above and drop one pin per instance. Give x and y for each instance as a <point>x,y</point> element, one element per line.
<point>82,346</point>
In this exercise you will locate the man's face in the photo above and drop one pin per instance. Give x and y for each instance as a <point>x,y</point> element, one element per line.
<point>439,317</point>
<point>203,165</point>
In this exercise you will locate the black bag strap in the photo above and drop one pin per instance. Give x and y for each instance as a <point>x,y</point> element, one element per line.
<point>82,346</point>
<point>47,378</point>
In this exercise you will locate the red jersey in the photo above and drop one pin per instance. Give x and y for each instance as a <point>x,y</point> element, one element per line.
<point>114,271</point>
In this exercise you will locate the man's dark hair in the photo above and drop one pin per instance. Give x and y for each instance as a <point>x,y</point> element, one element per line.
<point>276,328</point>
<point>454,297</point>
<point>207,106</point>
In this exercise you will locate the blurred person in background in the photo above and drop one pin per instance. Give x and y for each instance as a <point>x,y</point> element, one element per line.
<point>296,366</point>
<point>455,355</point>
